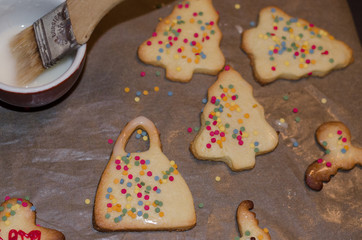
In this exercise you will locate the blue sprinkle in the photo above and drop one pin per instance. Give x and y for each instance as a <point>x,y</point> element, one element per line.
<point>33,208</point>
<point>170,93</point>
<point>312,32</point>
<point>221,109</point>
<point>144,133</point>
<point>281,51</point>
<point>120,218</point>
<point>311,51</point>
<point>178,17</point>
<point>160,50</point>
<point>281,19</point>
<point>129,184</point>
<point>256,143</point>
<point>158,190</point>
<point>138,93</point>
<point>138,136</point>
<point>204,101</point>
<point>157,178</point>
<point>107,195</point>
<point>140,203</point>
<point>158,58</point>
<point>139,213</point>
<point>109,189</point>
<point>202,110</point>
<point>203,56</point>
<point>270,52</point>
<point>286,29</point>
<point>148,162</point>
<point>273,10</point>
<point>235,131</point>
<point>202,28</point>
<point>343,150</point>
<point>128,154</point>
<point>295,144</point>
<point>122,181</point>
<point>293,20</point>
<point>252,24</point>
<point>168,45</point>
<point>284,43</point>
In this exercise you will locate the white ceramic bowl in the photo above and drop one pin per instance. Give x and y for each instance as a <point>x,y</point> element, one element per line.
<point>16,13</point>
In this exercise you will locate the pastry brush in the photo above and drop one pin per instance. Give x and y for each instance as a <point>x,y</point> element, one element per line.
<point>55,35</point>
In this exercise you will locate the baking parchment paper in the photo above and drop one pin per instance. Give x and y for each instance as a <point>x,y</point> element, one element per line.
<point>56,154</point>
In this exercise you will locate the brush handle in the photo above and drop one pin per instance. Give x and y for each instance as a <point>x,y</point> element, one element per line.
<point>86,14</point>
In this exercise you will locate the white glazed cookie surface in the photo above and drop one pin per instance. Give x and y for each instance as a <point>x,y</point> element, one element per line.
<point>144,190</point>
<point>186,41</point>
<point>234,129</point>
<point>285,47</point>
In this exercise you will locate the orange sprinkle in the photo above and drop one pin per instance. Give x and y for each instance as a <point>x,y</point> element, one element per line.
<point>125,173</point>
<point>229,115</point>
<point>142,173</point>
<point>192,20</point>
<point>109,209</point>
<point>301,65</point>
<point>246,115</point>
<point>162,214</point>
<point>313,61</point>
<point>197,60</point>
<point>218,142</point>
<point>233,90</point>
<point>225,98</point>
<point>144,167</point>
<point>346,147</point>
<point>209,27</point>
<point>255,105</point>
<point>223,139</point>
<point>175,172</point>
<point>240,120</point>
<point>189,60</point>
<point>111,197</point>
<point>167,21</point>
<point>175,165</point>
<point>115,181</point>
<point>154,204</point>
<point>225,89</point>
<point>227,105</point>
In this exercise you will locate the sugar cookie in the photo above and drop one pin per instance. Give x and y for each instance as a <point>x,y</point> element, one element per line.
<point>142,190</point>
<point>18,221</point>
<point>186,41</point>
<point>335,137</point>
<point>233,126</point>
<point>248,224</point>
<point>285,47</point>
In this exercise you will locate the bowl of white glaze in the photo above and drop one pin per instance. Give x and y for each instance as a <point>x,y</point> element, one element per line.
<point>53,83</point>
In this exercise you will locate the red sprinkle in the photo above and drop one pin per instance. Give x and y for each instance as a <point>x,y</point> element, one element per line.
<point>149,173</point>
<point>208,145</point>
<point>110,141</point>
<point>339,132</point>
<point>189,130</point>
<point>275,28</point>
<point>329,164</point>
<point>295,110</point>
<point>171,178</point>
<point>154,34</point>
<point>143,74</point>
<point>227,68</point>
<point>344,139</point>
<point>149,43</point>
<point>273,68</point>
<point>320,160</point>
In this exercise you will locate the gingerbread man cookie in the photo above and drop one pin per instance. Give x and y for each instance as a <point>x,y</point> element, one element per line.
<point>233,126</point>
<point>142,190</point>
<point>286,47</point>
<point>335,137</point>
<point>18,221</point>
<point>248,224</point>
<point>186,41</point>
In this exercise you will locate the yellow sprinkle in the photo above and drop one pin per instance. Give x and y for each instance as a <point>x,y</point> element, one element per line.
<point>217,179</point>
<point>245,134</point>
<point>136,99</point>
<point>266,230</point>
<point>255,133</point>
<point>237,6</point>
<point>282,120</point>
<point>298,24</point>
<point>301,60</point>
<point>176,56</point>
<point>172,162</point>
<point>265,37</point>
<point>261,35</point>
<point>297,38</point>
<point>339,142</point>
<point>197,60</point>
<point>145,92</point>
<point>142,173</point>
<point>114,201</point>
<point>252,145</point>
<point>323,100</point>
<point>145,138</point>
<point>7,222</point>
<point>217,114</point>
<point>129,198</point>
<point>222,129</point>
<point>286,63</point>
<point>238,109</point>
<point>127,89</point>
<point>330,135</point>
<point>164,180</point>
<point>156,89</point>
<point>255,105</point>
<point>128,206</point>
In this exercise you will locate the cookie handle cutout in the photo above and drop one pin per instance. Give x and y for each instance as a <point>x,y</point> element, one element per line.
<point>139,122</point>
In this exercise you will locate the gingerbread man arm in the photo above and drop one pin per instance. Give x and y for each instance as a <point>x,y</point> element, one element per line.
<point>335,137</point>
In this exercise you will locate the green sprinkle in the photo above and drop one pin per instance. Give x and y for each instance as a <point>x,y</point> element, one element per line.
<point>196,129</point>
<point>242,129</point>
<point>303,55</point>
<point>160,203</point>
<point>331,60</point>
<point>300,35</point>
<point>207,123</point>
<point>201,13</point>
<point>157,210</point>
<point>116,220</point>
<point>247,233</point>
<point>256,150</point>
<point>285,97</point>
<point>271,58</point>
<point>328,151</point>
<point>157,202</point>
<point>136,163</point>
<point>137,179</point>
<point>212,32</point>
<point>320,48</point>
<point>325,143</point>
<point>145,215</point>
<point>289,49</point>
<point>165,33</point>
<point>221,86</point>
<point>164,176</point>
<point>231,86</point>
<point>27,198</point>
<point>124,210</point>
<point>234,135</point>
<point>133,209</point>
<point>108,215</point>
<point>297,119</point>
<point>158,73</point>
<point>12,213</point>
<point>9,205</point>
<point>227,125</point>
<point>199,21</point>
<point>4,218</point>
<point>148,188</point>
<point>201,205</point>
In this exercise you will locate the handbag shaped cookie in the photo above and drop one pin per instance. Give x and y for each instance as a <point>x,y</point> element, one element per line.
<point>142,190</point>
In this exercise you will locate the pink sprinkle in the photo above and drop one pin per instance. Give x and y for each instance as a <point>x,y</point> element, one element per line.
<point>241,142</point>
<point>208,128</point>
<point>118,161</point>
<point>160,42</point>
<point>339,132</point>
<point>143,74</point>
<point>213,140</point>
<point>295,110</point>
<point>130,176</point>
<point>217,132</point>
<point>155,188</point>
<point>207,37</point>
<point>222,134</point>
<point>275,28</point>
<point>273,68</point>
<point>142,161</point>
<point>147,207</point>
<point>169,38</point>
<point>110,141</point>
<point>196,35</point>
<point>123,191</point>
<point>126,168</point>
<point>344,139</point>
<point>325,53</point>
<point>275,50</point>
<point>329,164</point>
<point>320,160</point>
<point>238,137</point>
<point>185,40</point>
<point>194,14</point>
<point>210,116</point>
<point>222,95</point>
<point>24,204</point>
<point>310,73</point>
<point>179,50</point>
<point>137,157</point>
<point>139,195</point>
<point>208,145</point>
<point>211,23</point>
<point>7,198</point>
<point>180,6</point>
<point>149,43</point>
<point>175,38</point>
<point>147,197</point>
<point>109,205</point>
<point>139,185</point>
<point>233,97</point>
<point>227,68</point>
<point>307,61</point>
<point>189,130</point>
<point>179,30</point>
<point>118,167</point>
<point>214,123</point>
<point>313,47</point>
<point>154,34</point>
<point>296,54</point>
<point>311,25</point>
<point>302,50</point>
<point>193,43</point>
<point>149,173</point>
<point>212,133</point>
<point>186,5</point>
<point>171,178</point>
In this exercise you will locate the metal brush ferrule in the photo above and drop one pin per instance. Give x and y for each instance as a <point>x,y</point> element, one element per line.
<point>54,35</point>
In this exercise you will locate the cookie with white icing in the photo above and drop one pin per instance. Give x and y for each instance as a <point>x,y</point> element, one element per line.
<point>18,221</point>
<point>186,41</point>
<point>291,48</point>
<point>248,224</point>
<point>142,190</point>
<point>335,137</point>
<point>233,126</point>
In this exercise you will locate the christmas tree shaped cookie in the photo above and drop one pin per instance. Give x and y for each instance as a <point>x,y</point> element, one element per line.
<point>142,190</point>
<point>285,47</point>
<point>248,224</point>
<point>17,221</point>
<point>233,126</point>
<point>186,41</point>
<point>335,137</point>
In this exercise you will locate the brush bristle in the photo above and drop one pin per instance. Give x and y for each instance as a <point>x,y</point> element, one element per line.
<point>25,51</point>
